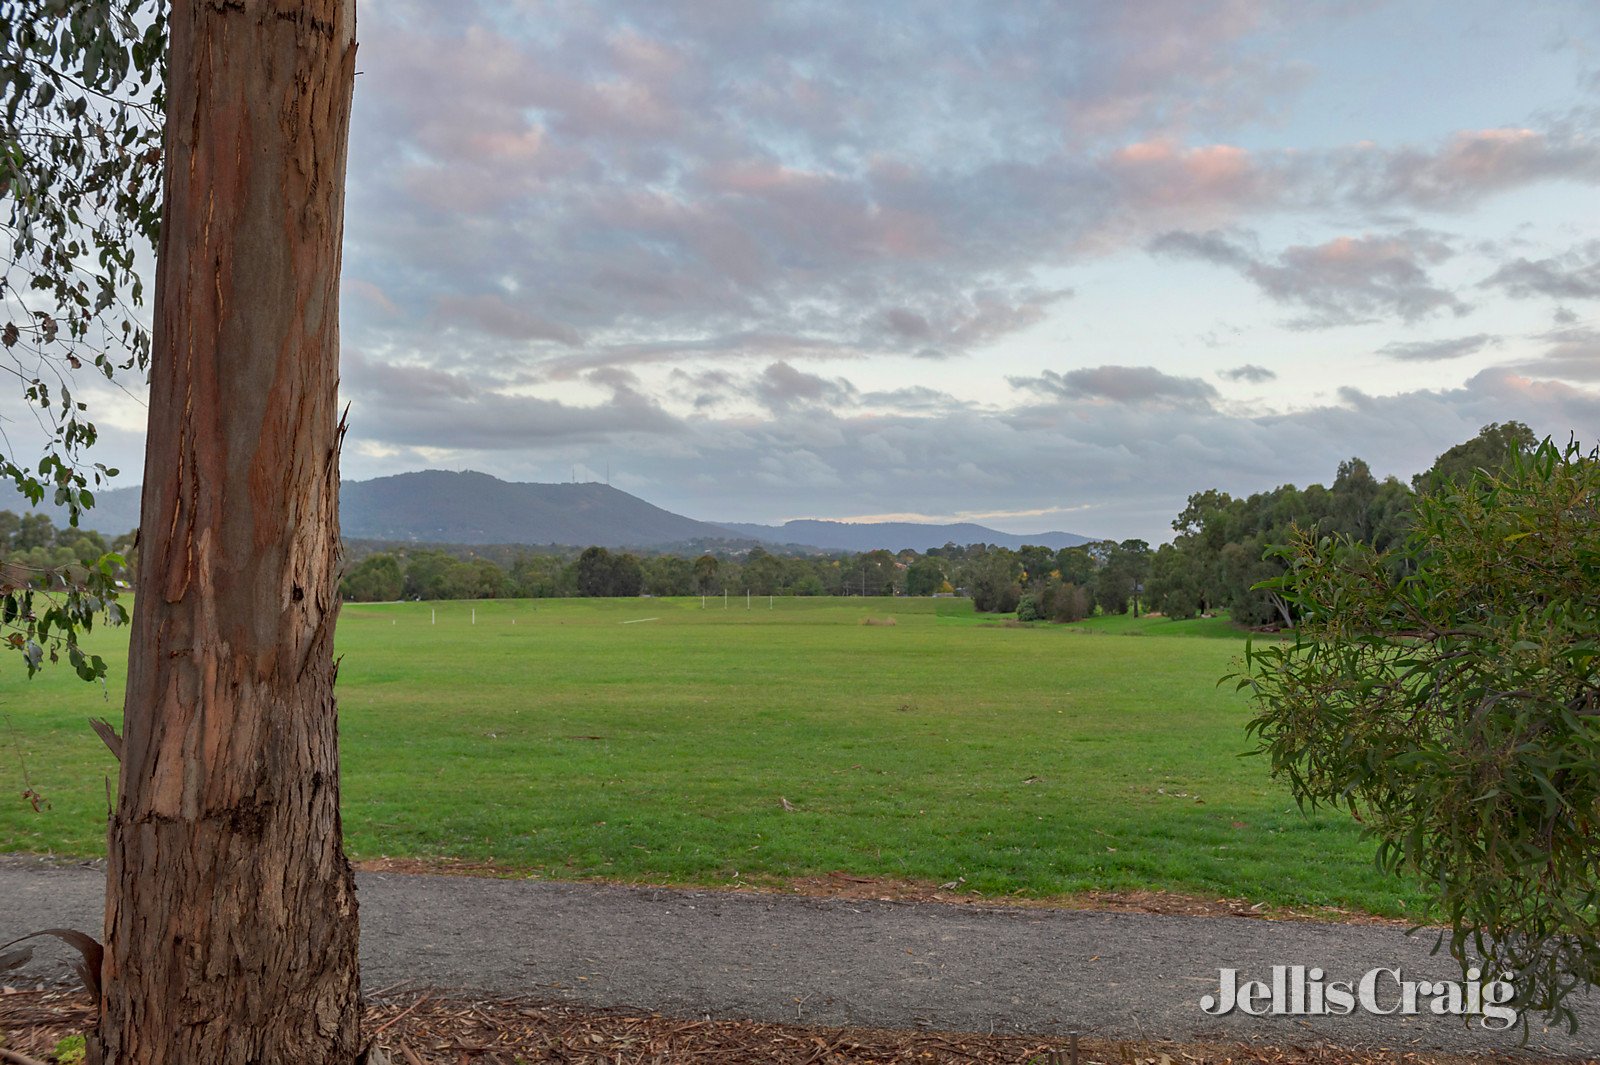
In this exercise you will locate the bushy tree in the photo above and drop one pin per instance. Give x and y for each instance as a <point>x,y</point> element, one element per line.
<point>668,575</point>
<point>924,577</point>
<point>1037,564</point>
<point>1447,694</point>
<point>537,576</point>
<point>763,572</point>
<point>1028,608</point>
<point>426,575</point>
<point>706,571</point>
<point>33,530</point>
<point>1119,581</point>
<point>1491,449</point>
<point>475,578</point>
<point>874,573</point>
<point>992,581</point>
<point>1075,565</point>
<point>1174,588</point>
<point>598,572</point>
<point>593,570</point>
<point>627,575</point>
<point>1070,603</point>
<point>377,579</point>
<point>810,584</point>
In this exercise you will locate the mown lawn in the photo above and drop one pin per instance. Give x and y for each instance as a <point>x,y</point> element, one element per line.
<point>658,740</point>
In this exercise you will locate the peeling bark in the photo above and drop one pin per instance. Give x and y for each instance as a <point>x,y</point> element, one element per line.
<point>231,910</point>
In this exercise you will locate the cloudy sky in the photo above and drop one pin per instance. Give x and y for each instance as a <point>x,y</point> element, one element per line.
<point>1042,265</point>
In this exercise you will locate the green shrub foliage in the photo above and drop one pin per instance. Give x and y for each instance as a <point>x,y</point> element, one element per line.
<point>1446,692</point>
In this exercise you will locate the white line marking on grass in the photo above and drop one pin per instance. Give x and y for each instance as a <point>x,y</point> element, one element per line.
<point>636,621</point>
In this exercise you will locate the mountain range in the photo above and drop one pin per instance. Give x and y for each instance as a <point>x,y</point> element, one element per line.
<point>439,506</point>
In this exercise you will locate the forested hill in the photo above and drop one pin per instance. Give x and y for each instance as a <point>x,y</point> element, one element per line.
<point>894,535</point>
<point>475,508</point>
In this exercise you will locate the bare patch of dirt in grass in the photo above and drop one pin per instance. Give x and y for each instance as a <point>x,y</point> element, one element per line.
<point>843,885</point>
<point>425,1028</point>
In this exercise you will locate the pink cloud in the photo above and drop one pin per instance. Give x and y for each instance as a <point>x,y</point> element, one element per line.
<point>1163,174</point>
<point>760,178</point>
<point>370,294</point>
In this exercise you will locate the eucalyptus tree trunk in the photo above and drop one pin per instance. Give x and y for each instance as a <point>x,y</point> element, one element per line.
<point>231,910</point>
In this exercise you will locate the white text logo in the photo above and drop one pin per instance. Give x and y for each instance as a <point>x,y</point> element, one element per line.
<point>1296,991</point>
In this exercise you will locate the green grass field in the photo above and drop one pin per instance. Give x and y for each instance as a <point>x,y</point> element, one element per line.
<point>653,740</point>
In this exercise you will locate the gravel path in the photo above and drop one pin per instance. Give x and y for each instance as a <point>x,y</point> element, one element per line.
<point>838,962</point>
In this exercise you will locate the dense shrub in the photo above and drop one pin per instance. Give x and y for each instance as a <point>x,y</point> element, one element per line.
<point>1447,693</point>
<point>1070,603</point>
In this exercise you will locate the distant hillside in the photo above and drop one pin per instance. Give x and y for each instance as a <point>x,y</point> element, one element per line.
<point>475,508</point>
<point>894,535</point>
<point>115,510</point>
<point>442,507</point>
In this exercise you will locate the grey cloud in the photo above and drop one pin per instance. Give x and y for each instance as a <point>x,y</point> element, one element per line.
<point>494,315</point>
<point>1572,354</point>
<point>401,382</point>
<point>950,328</point>
<point>1343,281</point>
<point>616,378</point>
<point>944,328</point>
<point>1437,350</point>
<point>907,323</point>
<point>1212,247</point>
<point>704,389</point>
<point>416,406</point>
<point>1573,276</point>
<point>1119,384</point>
<point>1248,372</point>
<point>781,387</point>
<point>1571,339</point>
<point>739,346</point>
<point>1465,168</point>
<point>916,399</point>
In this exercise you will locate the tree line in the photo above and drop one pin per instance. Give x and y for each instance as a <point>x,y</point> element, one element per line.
<point>1224,548</point>
<point>998,578</point>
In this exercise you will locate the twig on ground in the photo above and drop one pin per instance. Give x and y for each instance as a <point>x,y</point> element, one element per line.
<point>390,1022</point>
